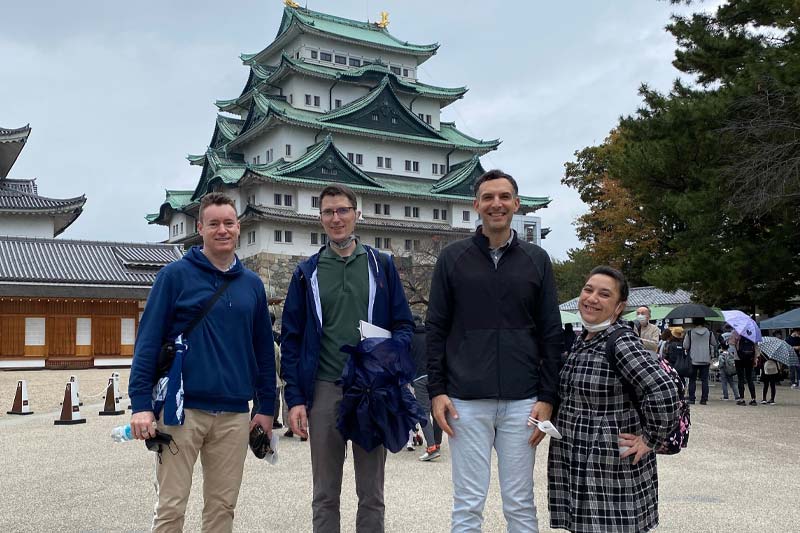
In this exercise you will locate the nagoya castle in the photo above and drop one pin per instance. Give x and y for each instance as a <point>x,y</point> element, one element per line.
<point>332,99</point>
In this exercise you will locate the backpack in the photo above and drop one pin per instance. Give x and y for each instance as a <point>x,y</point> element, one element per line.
<point>678,438</point>
<point>727,363</point>
<point>771,367</point>
<point>679,359</point>
<point>746,349</point>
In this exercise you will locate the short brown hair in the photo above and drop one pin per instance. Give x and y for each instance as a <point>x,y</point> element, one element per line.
<point>337,189</point>
<point>494,174</point>
<point>215,198</point>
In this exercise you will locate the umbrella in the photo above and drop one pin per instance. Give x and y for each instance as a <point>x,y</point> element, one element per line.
<point>778,349</point>
<point>569,318</point>
<point>657,312</point>
<point>743,324</point>
<point>691,311</point>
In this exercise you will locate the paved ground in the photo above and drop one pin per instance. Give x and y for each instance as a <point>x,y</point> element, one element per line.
<point>739,474</point>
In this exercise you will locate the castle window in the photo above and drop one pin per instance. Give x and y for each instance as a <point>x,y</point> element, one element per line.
<point>325,56</point>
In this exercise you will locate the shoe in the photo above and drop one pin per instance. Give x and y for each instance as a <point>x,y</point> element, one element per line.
<point>763,402</point>
<point>741,402</point>
<point>753,402</point>
<point>277,425</point>
<point>703,402</point>
<point>303,439</point>
<point>724,399</point>
<point>410,445</point>
<point>431,454</point>
<point>771,402</point>
<point>288,434</point>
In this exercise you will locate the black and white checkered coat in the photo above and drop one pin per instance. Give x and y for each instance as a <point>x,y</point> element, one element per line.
<point>590,488</point>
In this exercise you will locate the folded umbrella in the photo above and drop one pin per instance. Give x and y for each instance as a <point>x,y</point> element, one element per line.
<point>779,350</point>
<point>743,325</point>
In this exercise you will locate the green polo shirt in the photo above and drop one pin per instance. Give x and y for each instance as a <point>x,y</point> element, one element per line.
<point>344,295</point>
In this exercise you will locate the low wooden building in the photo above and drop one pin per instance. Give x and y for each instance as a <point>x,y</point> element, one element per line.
<point>65,303</point>
<point>73,304</point>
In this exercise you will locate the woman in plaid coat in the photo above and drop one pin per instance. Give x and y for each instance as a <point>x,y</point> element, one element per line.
<point>602,474</point>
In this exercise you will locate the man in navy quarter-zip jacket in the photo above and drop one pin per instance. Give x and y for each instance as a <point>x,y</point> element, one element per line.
<point>494,346</point>
<point>229,360</point>
<point>344,282</point>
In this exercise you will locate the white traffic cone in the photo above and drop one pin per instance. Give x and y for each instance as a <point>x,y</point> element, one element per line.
<point>74,381</point>
<point>112,407</point>
<point>70,410</point>
<point>21,405</point>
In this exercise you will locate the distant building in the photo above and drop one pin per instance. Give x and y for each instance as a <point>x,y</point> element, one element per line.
<point>337,100</point>
<point>65,303</point>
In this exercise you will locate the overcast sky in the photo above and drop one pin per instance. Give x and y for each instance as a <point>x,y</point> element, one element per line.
<point>117,93</point>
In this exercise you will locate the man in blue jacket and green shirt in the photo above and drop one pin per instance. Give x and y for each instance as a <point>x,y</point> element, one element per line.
<point>346,281</point>
<point>229,360</point>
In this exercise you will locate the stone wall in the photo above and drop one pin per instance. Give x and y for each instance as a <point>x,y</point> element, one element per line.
<point>275,270</point>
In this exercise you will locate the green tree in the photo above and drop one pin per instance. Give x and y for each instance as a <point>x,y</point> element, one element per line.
<point>712,168</point>
<point>571,273</point>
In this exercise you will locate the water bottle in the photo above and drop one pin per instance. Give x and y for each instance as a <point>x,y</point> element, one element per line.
<point>122,433</point>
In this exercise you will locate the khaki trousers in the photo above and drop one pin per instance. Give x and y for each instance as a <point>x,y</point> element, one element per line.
<point>221,440</point>
<point>328,450</point>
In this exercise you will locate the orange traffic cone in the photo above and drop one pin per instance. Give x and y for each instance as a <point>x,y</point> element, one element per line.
<point>21,405</point>
<point>112,407</point>
<point>70,410</point>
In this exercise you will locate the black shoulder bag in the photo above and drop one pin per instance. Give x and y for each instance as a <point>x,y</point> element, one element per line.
<point>167,353</point>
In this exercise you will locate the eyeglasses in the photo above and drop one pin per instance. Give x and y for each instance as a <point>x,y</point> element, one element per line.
<point>341,211</point>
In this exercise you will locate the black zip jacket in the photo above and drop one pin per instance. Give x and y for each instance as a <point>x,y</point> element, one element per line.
<point>493,333</point>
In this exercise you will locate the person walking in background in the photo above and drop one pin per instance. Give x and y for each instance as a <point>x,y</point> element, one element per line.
<point>279,388</point>
<point>770,376</point>
<point>418,351</point>
<point>494,351</point>
<point>649,333</point>
<point>666,338</point>
<point>794,371</point>
<point>746,354</point>
<point>701,345</point>
<point>727,371</point>
<point>569,338</point>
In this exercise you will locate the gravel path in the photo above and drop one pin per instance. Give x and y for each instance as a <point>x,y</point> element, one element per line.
<point>741,461</point>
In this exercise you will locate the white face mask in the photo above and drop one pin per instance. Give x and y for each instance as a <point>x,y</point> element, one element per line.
<point>594,328</point>
<point>641,318</point>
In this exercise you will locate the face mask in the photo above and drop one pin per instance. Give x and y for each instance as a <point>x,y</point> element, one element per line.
<point>641,318</point>
<point>342,245</point>
<point>594,328</point>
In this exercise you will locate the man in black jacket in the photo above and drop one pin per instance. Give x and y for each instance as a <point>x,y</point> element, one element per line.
<point>494,343</point>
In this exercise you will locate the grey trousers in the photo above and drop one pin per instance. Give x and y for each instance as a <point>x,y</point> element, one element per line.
<point>424,401</point>
<point>328,450</point>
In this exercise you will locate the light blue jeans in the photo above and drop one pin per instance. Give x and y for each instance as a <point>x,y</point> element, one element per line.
<point>481,426</point>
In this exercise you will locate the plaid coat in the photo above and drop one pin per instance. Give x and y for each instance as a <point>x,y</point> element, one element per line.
<point>590,489</point>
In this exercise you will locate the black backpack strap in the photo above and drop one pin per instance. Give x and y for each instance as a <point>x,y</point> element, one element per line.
<point>206,308</point>
<point>611,356</point>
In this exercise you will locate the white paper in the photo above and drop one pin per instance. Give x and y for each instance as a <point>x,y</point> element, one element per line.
<point>370,331</point>
<point>272,458</point>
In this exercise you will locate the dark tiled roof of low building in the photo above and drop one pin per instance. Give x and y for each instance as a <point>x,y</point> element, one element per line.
<point>15,200</point>
<point>68,262</point>
<point>640,296</point>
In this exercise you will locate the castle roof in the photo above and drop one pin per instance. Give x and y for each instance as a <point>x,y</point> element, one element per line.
<point>11,142</point>
<point>299,20</point>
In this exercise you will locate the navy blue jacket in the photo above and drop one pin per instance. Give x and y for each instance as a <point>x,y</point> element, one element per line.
<point>230,353</point>
<point>301,326</point>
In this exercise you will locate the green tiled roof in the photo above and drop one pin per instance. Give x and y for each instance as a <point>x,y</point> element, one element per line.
<point>370,71</point>
<point>301,20</point>
<point>267,77</point>
<point>266,109</point>
<point>175,200</point>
